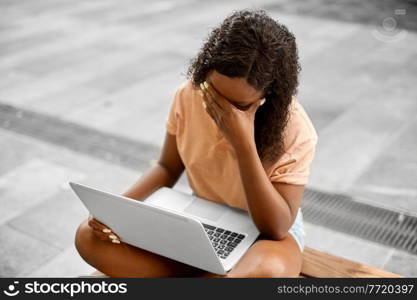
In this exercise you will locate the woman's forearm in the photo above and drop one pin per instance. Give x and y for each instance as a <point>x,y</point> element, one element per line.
<point>153,179</point>
<point>268,209</point>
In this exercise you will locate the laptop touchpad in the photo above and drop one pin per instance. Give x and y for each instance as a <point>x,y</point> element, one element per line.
<point>205,209</point>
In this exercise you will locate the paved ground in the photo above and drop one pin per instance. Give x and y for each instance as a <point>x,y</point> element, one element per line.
<point>113,66</point>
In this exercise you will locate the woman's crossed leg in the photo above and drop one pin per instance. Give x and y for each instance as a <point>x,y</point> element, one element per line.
<point>265,258</point>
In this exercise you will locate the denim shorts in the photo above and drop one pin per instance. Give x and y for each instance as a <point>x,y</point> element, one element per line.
<point>297,230</point>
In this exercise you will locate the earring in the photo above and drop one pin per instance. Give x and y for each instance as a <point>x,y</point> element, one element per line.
<point>262,101</point>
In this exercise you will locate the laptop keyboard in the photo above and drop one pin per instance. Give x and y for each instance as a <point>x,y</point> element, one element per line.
<point>224,241</point>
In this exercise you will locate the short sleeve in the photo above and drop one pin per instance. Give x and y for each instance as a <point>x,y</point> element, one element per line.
<point>294,165</point>
<point>174,114</point>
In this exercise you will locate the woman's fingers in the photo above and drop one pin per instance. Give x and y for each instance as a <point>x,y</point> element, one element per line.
<point>96,225</point>
<point>212,96</point>
<point>114,239</point>
<point>210,106</point>
<point>206,103</point>
<point>107,237</point>
<point>96,222</point>
<point>101,235</point>
<point>211,112</point>
<point>218,101</point>
<point>102,231</point>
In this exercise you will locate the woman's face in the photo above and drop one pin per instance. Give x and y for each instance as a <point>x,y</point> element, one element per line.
<point>236,90</point>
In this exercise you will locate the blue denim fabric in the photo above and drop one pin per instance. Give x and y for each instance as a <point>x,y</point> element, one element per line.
<point>297,230</point>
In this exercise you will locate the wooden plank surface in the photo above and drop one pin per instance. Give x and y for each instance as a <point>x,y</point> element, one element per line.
<point>321,264</point>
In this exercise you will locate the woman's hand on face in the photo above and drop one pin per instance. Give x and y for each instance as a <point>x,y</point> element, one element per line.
<point>237,125</point>
<point>102,232</point>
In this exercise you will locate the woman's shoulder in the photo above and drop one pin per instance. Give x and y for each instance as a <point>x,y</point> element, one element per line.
<point>184,94</point>
<point>186,88</point>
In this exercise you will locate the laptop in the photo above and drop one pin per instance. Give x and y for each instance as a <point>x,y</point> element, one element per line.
<point>186,228</point>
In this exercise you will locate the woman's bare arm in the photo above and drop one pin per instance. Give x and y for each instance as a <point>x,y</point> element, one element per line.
<point>165,173</point>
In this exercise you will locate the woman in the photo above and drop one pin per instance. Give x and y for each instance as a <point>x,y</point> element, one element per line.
<point>237,129</point>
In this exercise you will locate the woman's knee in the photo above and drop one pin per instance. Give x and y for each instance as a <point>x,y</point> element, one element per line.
<point>274,263</point>
<point>84,239</point>
<point>273,266</point>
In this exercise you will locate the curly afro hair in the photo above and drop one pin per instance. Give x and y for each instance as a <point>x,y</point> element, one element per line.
<point>252,45</point>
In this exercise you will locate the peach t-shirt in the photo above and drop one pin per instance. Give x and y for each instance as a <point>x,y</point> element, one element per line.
<point>210,161</point>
